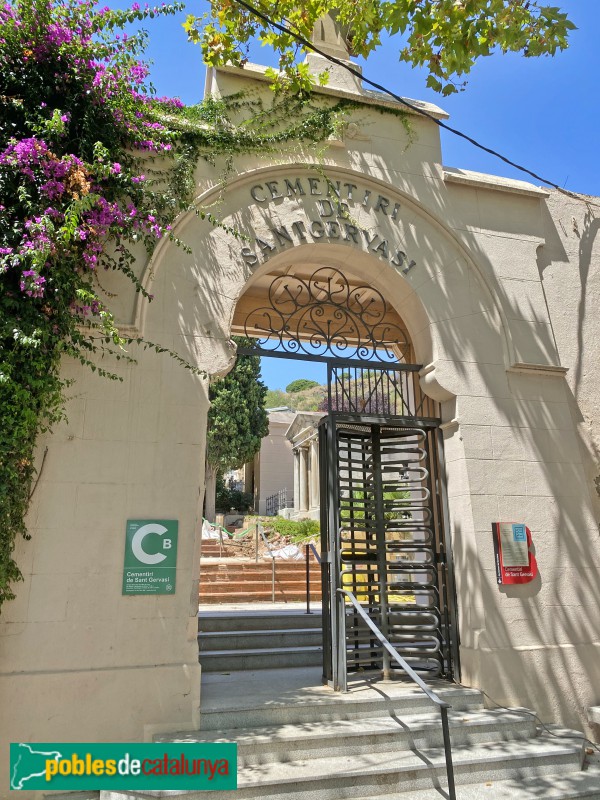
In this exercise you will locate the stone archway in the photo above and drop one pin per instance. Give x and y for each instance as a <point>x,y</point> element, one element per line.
<point>284,215</point>
<point>289,219</point>
<point>327,313</point>
<point>459,326</point>
<point>136,449</point>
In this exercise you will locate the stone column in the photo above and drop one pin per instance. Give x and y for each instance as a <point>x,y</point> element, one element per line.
<point>303,505</point>
<point>314,474</point>
<point>296,481</point>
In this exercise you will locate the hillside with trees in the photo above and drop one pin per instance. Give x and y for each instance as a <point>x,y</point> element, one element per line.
<point>308,399</point>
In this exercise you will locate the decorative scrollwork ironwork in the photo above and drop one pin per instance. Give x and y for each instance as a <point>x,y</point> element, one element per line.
<point>325,316</point>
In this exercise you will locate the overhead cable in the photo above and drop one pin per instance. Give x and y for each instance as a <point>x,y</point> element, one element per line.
<point>403,101</point>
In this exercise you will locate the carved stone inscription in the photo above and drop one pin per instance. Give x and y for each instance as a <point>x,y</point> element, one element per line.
<point>336,204</point>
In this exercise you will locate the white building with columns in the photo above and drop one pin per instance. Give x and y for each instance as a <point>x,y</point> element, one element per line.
<point>303,435</point>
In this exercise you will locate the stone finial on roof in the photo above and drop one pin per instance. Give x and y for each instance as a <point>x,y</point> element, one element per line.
<point>330,37</point>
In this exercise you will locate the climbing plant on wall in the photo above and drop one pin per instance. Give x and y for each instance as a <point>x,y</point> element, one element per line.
<point>93,167</point>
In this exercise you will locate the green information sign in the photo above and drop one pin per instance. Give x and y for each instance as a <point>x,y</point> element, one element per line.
<point>150,556</point>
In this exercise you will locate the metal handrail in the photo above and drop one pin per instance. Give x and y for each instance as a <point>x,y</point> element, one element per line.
<point>226,532</point>
<point>443,706</point>
<point>315,552</point>
<point>307,550</point>
<point>230,537</point>
<point>259,527</point>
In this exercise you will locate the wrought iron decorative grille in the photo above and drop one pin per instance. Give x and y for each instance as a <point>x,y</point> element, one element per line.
<point>378,390</point>
<point>323,316</point>
<point>275,502</point>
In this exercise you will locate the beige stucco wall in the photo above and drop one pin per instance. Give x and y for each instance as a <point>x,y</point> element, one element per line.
<point>80,662</point>
<point>276,461</point>
<point>569,265</point>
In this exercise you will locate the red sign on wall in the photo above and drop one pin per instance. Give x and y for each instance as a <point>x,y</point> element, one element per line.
<point>515,563</point>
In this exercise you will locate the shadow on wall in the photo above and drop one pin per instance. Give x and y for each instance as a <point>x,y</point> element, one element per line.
<point>579,343</point>
<point>551,626</point>
<point>560,610</point>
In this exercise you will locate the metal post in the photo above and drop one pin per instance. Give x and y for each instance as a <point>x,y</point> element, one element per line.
<point>452,611</point>
<point>306,556</point>
<point>380,534</point>
<point>325,551</point>
<point>256,542</point>
<point>272,579</point>
<point>448,753</point>
<point>338,610</point>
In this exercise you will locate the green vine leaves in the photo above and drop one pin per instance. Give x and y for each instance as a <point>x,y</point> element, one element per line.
<point>92,166</point>
<point>446,37</point>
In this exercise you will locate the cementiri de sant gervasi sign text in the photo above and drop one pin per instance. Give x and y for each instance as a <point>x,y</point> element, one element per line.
<point>330,210</point>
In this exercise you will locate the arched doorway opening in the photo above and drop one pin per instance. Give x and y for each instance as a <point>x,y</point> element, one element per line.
<point>384,520</point>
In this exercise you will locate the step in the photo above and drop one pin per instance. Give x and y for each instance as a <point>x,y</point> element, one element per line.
<point>572,786</point>
<point>258,620</point>
<point>374,774</point>
<point>368,734</point>
<point>328,706</point>
<point>255,640</point>
<point>256,587</point>
<point>256,597</point>
<point>276,657</point>
<point>242,589</point>
<point>251,571</point>
<point>252,581</point>
<point>218,571</point>
<point>91,795</point>
<point>250,566</point>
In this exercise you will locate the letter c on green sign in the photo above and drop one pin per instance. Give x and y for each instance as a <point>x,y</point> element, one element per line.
<point>138,538</point>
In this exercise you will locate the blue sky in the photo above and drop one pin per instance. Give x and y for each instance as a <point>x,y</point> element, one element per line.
<point>542,113</point>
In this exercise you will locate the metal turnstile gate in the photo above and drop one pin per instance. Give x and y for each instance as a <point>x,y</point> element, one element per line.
<point>384,522</point>
<point>383,526</point>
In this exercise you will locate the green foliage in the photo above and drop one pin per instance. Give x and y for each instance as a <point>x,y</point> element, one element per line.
<point>396,499</point>
<point>237,420</point>
<point>228,499</point>
<point>296,530</point>
<point>300,385</point>
<point>93,168</point>
<point>444,36</point>
<point>308,399</point>
<point>275,398</point>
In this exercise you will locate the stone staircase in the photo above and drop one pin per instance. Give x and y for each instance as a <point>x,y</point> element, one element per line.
<point>298,740</point>
<point>230,580</point>
<point>250,640</point>
<point>210,548</point>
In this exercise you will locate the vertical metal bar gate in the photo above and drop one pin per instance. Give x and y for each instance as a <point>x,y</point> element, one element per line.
<point>384,527</point>
<point>384,519</point>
